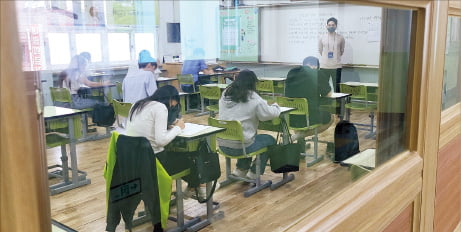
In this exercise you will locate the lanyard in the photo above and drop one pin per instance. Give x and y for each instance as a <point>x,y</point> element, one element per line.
<point>334,42</point>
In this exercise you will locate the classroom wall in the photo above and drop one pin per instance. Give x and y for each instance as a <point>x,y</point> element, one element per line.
<point>169,13</point>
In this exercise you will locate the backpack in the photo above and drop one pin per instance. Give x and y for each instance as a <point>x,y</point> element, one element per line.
<point>346,141</point>
<point>103,115</point>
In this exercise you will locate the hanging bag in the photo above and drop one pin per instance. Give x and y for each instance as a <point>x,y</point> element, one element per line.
<point>284,157</point>
<point>207,165</point>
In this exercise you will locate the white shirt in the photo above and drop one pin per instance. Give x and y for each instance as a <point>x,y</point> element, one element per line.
<point>151,123</point>
<point>331,43</point>
<point>138,85</point>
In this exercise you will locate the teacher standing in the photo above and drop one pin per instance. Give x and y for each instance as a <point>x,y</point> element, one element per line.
<point>331,48</point>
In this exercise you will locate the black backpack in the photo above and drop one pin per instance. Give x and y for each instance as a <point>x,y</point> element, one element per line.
<point>346,141</point>
<point>103,115</point>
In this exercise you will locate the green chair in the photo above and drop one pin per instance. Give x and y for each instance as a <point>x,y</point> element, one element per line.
<point>121,109</point>
<point>119,87</point>
<point>301,109</point>
<point>265,89</point>
<point>361,100</point>
<point>186,79</point>
<point>234,132</point>
<point>212,93</point>
<point>61,95</point>
<point>57,135</point>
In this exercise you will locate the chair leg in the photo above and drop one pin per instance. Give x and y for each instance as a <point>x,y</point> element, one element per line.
<point>258,184</point>
<point>372,133</point>
<point>315,157</point>
<point>228,179</point>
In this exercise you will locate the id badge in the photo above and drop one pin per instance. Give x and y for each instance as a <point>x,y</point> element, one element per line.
<point>330,55</point>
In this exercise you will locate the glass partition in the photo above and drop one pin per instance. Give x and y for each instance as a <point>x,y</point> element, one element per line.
<point>452,71</point>
<point>351,63</point>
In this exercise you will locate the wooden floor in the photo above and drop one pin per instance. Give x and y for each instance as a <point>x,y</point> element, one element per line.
<point>84,209</point>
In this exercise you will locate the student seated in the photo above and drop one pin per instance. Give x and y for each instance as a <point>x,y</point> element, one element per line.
<point>141,83</point>
<point>241,102</point>
<point>156,118</point>
<point>194,66</point>
<point>304,82</point>
<point>75,78</point>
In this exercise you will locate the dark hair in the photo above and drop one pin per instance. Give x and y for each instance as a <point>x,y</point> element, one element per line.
<point>143,65</point>
<point>242,87</point>
<point>310,60</point>
<point>334,20</point>
<point>163,95</point>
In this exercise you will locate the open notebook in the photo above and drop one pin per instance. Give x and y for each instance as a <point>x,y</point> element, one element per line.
<point>192,129</point>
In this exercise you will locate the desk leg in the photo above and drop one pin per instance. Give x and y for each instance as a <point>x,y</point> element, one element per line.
<point>211,217</point>
<point>180,225</point>
<point>202,110</point>
<point>77,180</point>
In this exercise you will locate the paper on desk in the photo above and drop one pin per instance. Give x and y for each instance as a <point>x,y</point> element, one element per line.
<point>283,108</point>
<point>192,128</point>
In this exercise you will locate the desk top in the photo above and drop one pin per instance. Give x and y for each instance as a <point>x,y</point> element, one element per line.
<point>102,87</point>
<point>368,84</point>
<point>161,79</point>
<point>365,158</point>
<point>221,86</point>
<point>195,131</point>
<point>52,112</point>
<point>338,95</point>
<point>272,78</point>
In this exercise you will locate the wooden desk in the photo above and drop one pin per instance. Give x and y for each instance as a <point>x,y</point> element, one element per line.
<point>272,78</point>
<point>200,132</point>
<point>161,81</point>
<point>274,125</point>
<point>365,159</point>
<point>368,84</point>
<point>342,98</point>
<point>221,86</point>
<point>78,177</point>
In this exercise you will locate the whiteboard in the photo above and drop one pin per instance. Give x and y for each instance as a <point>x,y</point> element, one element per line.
<point>291,33</point>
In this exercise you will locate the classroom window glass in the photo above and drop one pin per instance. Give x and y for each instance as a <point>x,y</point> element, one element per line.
<point>59,48</point>
<point>119,46</point>
<point>144,41</point>
<point>89,42</point>
<point>351,63</point>
<point>452,70</point>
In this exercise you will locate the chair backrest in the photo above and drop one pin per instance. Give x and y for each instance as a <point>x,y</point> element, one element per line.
<point>118,84</point>
<point>186,79</point>
<point>266,86</point>
<point>121,108</point>
<point>300,105</point>
<point>210,92</point>
<point>60,95</point>
<point>358,92</point>
<point>233,130</point>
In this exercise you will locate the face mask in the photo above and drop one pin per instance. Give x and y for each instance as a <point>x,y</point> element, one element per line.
<point>173,114</point>
<point>331,29</point>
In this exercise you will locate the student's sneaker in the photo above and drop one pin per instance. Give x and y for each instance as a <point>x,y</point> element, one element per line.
<point>240,173</point>
<point>251,175</point>
<point>190,192</point>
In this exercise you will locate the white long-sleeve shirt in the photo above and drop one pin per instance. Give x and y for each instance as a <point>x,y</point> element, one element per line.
<point>151,122</point>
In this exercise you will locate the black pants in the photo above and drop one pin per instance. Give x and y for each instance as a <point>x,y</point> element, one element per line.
<point>335,76</point>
